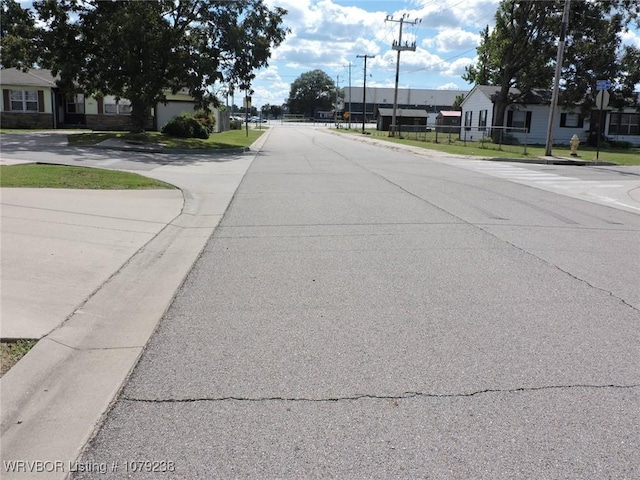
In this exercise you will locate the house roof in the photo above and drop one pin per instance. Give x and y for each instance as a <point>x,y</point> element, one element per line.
<point>537,96</point>
<point>35,77</point>
<point>450,113</point>
<point>403,112</point>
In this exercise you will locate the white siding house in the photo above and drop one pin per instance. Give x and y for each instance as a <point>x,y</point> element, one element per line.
<point>527,120</point>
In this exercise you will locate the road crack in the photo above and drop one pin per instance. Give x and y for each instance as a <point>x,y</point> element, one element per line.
<point>358,397</point>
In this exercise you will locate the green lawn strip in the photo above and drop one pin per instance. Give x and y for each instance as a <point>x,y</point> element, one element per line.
<point>61,176</point>
<point>216,141</point>
<point>11,352</point>
<point>491,150</point>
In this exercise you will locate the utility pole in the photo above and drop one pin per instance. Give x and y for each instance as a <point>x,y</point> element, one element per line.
<point>364,89</point>
<point>399,47</point>
<point>349,96</point>
<point>335,110</point>
<point>556,81</point>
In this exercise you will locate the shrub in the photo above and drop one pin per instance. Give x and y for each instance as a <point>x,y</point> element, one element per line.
<point>207,119</point>
<point>592,140</point>
<point>185,125</point>
<point>235,124</point>
<point>620,144</point>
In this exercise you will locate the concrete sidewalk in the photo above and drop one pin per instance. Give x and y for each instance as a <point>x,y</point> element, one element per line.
<point>111,265</point>
<point>60,246</point>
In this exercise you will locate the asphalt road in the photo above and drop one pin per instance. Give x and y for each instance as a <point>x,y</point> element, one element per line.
<point>363,312</point>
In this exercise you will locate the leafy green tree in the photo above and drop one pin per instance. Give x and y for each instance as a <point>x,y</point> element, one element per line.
<point>593,52</point>
<point>630,74</point>
<point>311,91</point>
<point>457,103</point>
<point>521,50</point>
<point>17,31</point>
<point>140,50</point>
<point>276,111</point>
<point>518,52</point>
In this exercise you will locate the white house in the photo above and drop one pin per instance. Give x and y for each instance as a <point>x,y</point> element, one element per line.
<point>527,120</point>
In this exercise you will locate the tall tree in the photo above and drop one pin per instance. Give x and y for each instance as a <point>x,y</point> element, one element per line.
<point>141,50</point>
<point>17,31</point>
<point>594,52</point>
<point>310,91</point>
<point>630,74</point>
<point>520,51</point>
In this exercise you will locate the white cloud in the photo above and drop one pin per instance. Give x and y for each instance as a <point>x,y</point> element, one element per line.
<point>631,38</point>
<point>454,13</point>
<point>456,68</point>
<point>451,86</point>
<point>452,39</point>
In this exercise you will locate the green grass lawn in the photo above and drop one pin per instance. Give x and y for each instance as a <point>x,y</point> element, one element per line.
<point>487,149</point>
<point>216,141</point>
<point>11,352</point>
<point>61,176</point>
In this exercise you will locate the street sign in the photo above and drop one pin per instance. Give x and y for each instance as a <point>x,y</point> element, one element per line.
<point>602,99</point>
<point>603,85</point>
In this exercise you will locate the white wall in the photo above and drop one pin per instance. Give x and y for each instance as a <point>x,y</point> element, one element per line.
<point>475,102</point>
<point>165,113</point>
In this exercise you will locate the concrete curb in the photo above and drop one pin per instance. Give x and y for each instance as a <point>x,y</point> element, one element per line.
<point>552,161</point>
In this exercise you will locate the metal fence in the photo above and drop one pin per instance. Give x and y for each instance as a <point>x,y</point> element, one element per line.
<point>492,138</point>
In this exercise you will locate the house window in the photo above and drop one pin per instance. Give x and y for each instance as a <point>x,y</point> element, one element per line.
<point>75,104</point>
<point>519,121</point>
<point>624,124</point>
<point>482,120</point>
<point>117,108</point>
<point>24,100</point>
<point>571,120</point>
<point>468,118</point>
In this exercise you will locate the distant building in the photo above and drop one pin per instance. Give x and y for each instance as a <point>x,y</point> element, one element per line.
<point>407,119</point>
<point>429,100</point>
<point>448,121</point>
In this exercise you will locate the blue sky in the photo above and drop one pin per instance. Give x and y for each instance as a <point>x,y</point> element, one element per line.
<point>329,34</point>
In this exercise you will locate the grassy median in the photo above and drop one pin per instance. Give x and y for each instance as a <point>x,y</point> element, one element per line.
<point>62,176</point>
<point>216,141</point>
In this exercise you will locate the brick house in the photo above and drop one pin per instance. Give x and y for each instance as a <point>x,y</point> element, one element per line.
<point>32,99</point>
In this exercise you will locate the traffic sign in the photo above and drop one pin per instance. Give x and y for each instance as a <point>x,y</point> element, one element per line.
<point>603,85</point>
<point>602,99</point>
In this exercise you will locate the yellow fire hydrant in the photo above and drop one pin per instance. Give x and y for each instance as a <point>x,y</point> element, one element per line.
<point>575,141</point>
